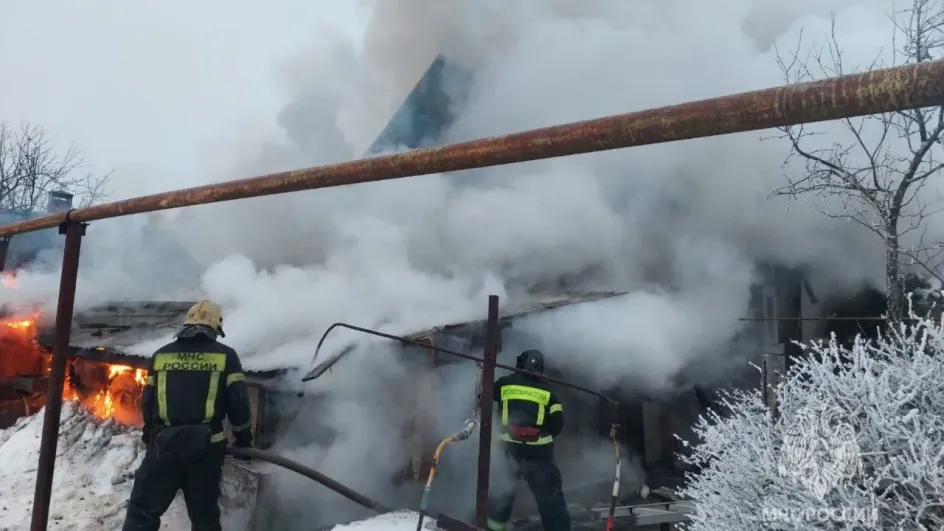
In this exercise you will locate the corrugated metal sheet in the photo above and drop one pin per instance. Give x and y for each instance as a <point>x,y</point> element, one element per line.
<point>461,336</point>
<point>120,325</point>
<point>518,311</point>
<point>107,332</point>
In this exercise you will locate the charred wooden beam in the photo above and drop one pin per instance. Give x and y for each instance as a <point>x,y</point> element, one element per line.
<point>110,356</point>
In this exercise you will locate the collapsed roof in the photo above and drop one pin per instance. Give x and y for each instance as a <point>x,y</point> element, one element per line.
<point>460,336</point>
<point>110,332</point>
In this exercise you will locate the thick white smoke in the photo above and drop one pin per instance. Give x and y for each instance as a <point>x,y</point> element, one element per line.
<point>681,225</point>
<point>419,251</point>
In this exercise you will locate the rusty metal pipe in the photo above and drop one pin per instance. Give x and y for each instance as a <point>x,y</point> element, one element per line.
<point>485,413</point>
<point>60,356</point>
<point>900,88</point>
<point>881,319</point>
<point>331,362</point>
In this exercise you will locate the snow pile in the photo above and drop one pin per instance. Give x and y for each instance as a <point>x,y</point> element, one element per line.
<point>859,443</point>
<point>95,464</point>
<point>396,521</point>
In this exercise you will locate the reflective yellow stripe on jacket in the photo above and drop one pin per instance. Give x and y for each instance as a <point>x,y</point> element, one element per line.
<point>214,363</point>
<point>528,394</point>
<point>230,380</point>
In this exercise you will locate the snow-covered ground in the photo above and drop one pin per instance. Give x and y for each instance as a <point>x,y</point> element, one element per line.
<point>95,464</point>
<point>396,521</point>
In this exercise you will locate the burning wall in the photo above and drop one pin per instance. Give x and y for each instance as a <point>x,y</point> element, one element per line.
<point>106,390</point>
<point>20,354</point>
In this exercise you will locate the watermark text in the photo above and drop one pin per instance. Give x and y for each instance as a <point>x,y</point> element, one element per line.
<point>845,515</point>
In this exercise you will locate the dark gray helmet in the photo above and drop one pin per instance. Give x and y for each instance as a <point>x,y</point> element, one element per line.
<point>531,360</point>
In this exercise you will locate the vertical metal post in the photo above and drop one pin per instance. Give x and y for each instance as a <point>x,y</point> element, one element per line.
<point>4,247</point>
<point>60,355</point>
<point>485,426</point>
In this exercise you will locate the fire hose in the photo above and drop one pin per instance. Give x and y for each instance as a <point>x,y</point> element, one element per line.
<point>310,473</point>
<point>461,435</point>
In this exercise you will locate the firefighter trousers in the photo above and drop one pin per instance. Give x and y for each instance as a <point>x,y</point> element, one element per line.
<point>544,479</point>
<point>157,482</point>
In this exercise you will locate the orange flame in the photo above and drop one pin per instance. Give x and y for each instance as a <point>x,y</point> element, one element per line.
<point>23,324</point>
<point>112,400</point>
<point>19,354</point>
<point>140,375</point>
<point>119,394</point>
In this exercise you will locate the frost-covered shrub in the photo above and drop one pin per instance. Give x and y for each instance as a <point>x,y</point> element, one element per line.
<point>859,443</point>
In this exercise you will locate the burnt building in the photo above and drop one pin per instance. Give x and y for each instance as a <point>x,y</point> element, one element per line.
<point>103,373</point>
<point>649,421</point>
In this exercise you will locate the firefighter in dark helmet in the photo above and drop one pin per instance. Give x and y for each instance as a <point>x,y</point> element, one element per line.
<point>193,383</point>
<point>531,416</point>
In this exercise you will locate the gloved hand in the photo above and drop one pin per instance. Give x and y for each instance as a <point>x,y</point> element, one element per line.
<point>243,440</point>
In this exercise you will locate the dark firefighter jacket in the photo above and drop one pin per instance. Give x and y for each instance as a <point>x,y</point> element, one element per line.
<point>196,380</point>
<point>526,401</point>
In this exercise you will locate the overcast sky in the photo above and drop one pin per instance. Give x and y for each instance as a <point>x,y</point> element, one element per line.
<point>144,87</point>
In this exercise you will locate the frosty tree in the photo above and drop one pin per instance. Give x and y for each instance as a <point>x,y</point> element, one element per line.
<point>878,168</point>
<point>859,443</point>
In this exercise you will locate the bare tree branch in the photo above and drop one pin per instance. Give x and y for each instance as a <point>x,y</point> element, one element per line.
<point>31,167</point>
<point>877,172</point>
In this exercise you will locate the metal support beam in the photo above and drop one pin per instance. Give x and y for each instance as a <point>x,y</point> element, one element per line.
<point>4,247</point>
<point>485,426</point>
<point>60,355</point>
